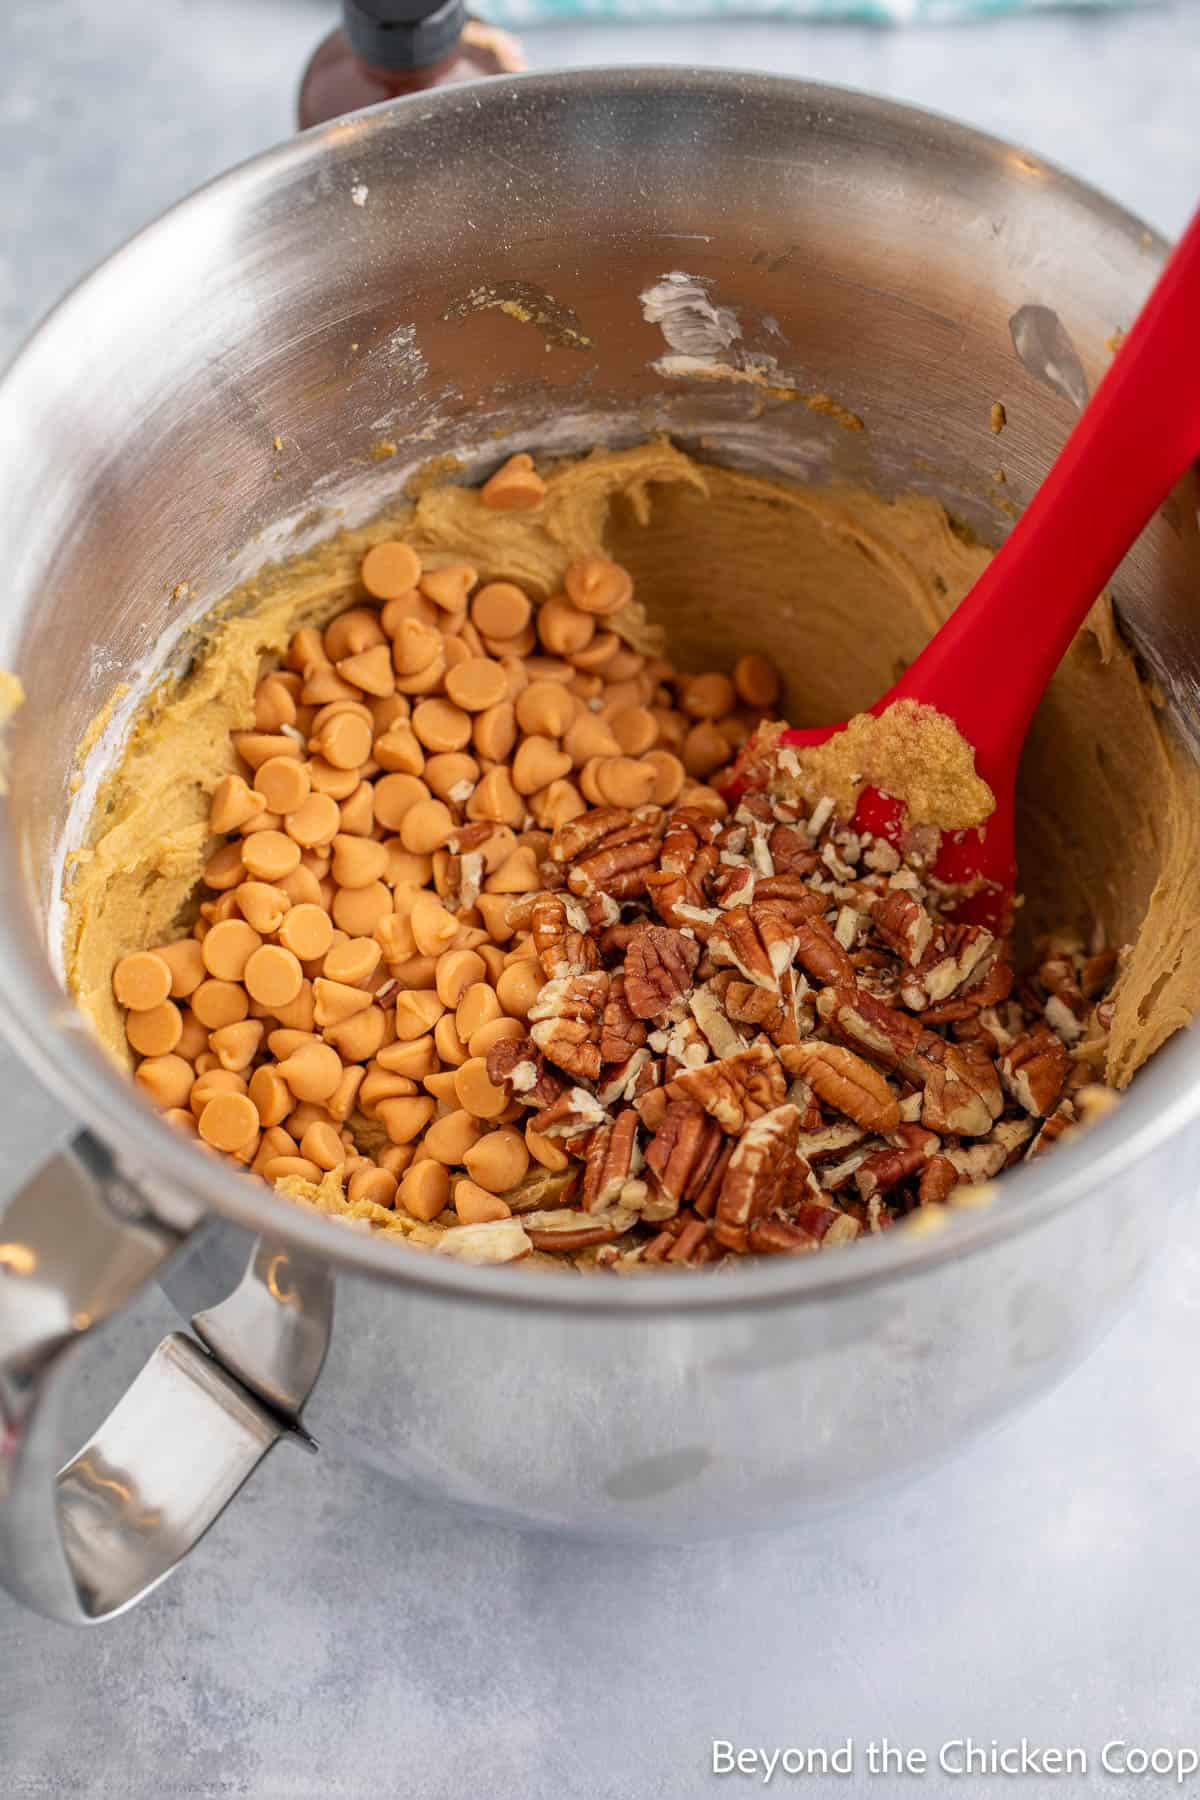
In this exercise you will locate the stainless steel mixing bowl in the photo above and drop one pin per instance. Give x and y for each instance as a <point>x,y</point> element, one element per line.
<point>463,272</point>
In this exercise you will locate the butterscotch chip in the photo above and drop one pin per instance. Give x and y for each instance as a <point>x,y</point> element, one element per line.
<point>373,1184</point>
<point>312,1072</point>
<point>417,1012</point>
<point>596,585</point>
<point>336,1001</point>
<point>268,855</point>
<point>546,1151</point>
<point>273,1099</point>
<point>476,1093</point>
<point>495,798</point>
<point>624,781</point>
<point>291,1168</point>
<point>358,911</point>
<point>344,741</point>
<point>390,569</point>
<point>156,1030</point>
<point>229,1122</point>
<point>274,704</point>
<point>424,1190</point>
<point>236,1046</point>
<point>501,609</point>
<point>452,776</point>
<point>262,905</point>
<point>440,725</point>
<point>449,587</point>
<point>669,776</point>
<point>405,1119</point>
<point>193,1037</point>
<point>635,729</point>
<point>307,931</point>
<point>322,1145</point>
<point>257,747</point>
<point>563,628</point>
<point>216,1003</point>
<point>477,1006</point>
<point>457,972</point>
<point>498,1161</point>
<point>515,487</point>
<point>339,784</point>
<point>704,750</point>
<point>477,684</point>
<point>395,796</point>
<point>411,1057</point>
<point>518,988</point>
<point>233,803</point>
<point>519,873</point>
<point>166,1079</point>
<point>475,1206</point>
<point>352,961</point>
<point>283,784</point>
<point>756,680</point>
<point>447,1042</point>
<point>398,751</point>
<point>370,670</point>
<point>273,976</point>
<point>228,947</point>
<point>450,1138</point>
<point>185,960</point>
<point>495,731</point>
<point>357,861</point>
<point>426,826</point>
<point>142,980</point>
<point>709,696</point>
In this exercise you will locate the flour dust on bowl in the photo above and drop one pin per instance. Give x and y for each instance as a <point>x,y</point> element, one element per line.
<point>772,283</point>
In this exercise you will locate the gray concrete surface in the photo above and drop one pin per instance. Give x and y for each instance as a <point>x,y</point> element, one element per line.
<point>335,1638</point>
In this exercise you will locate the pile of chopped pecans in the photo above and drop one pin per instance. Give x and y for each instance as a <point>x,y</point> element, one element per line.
<point>759,1033</point>
<point>481,958</point>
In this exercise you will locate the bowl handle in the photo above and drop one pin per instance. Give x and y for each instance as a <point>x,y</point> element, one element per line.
<point>76,1243</point>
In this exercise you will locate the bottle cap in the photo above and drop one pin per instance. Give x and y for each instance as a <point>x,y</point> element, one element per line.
<point>403,34</point>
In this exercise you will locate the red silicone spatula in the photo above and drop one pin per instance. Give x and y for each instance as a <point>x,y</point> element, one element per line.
<point>987,667</point>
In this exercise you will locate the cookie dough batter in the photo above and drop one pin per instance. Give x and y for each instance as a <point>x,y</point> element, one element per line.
<point>838,587</point>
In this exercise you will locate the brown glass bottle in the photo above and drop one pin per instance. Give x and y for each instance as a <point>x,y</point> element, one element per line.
<point>389,47</point>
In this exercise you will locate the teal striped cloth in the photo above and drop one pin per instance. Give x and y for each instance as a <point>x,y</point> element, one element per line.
<point>894,12</point>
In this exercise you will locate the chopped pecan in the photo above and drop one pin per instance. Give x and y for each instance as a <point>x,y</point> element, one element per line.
<point>886,1034</point>
<point>496,1241</point>
<point>688,859</point>
<point>610,851</point>
<point>563,1228</point>
<point>659,966</point>
<point>612,1159</point>
<point>938,1179</point>
<point>621,1031</point>
<point>1061,1121</point>
<point>733,885</point>
<point>560,937</point>
<point>961,1094</point>
<point>765,1174</point>
<point>520,1063</point>
<point>994,986</point>
<point>845,1082</point>
<point>791,851</point>
<point>903,924</point>
<point>623,1080</point>
<point>979,1162</point>
<point>736,1090</point>
<point>572,1112</point>
<point>957,956</point>
<point>566,1022</point>
<point>710,1015</point>
<point>821,955</point>
<point>1034,1069</point>
<point>757,940</point>
<point>908,1152</point>
<point>683,1150</point>
<point>814,1226</point>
